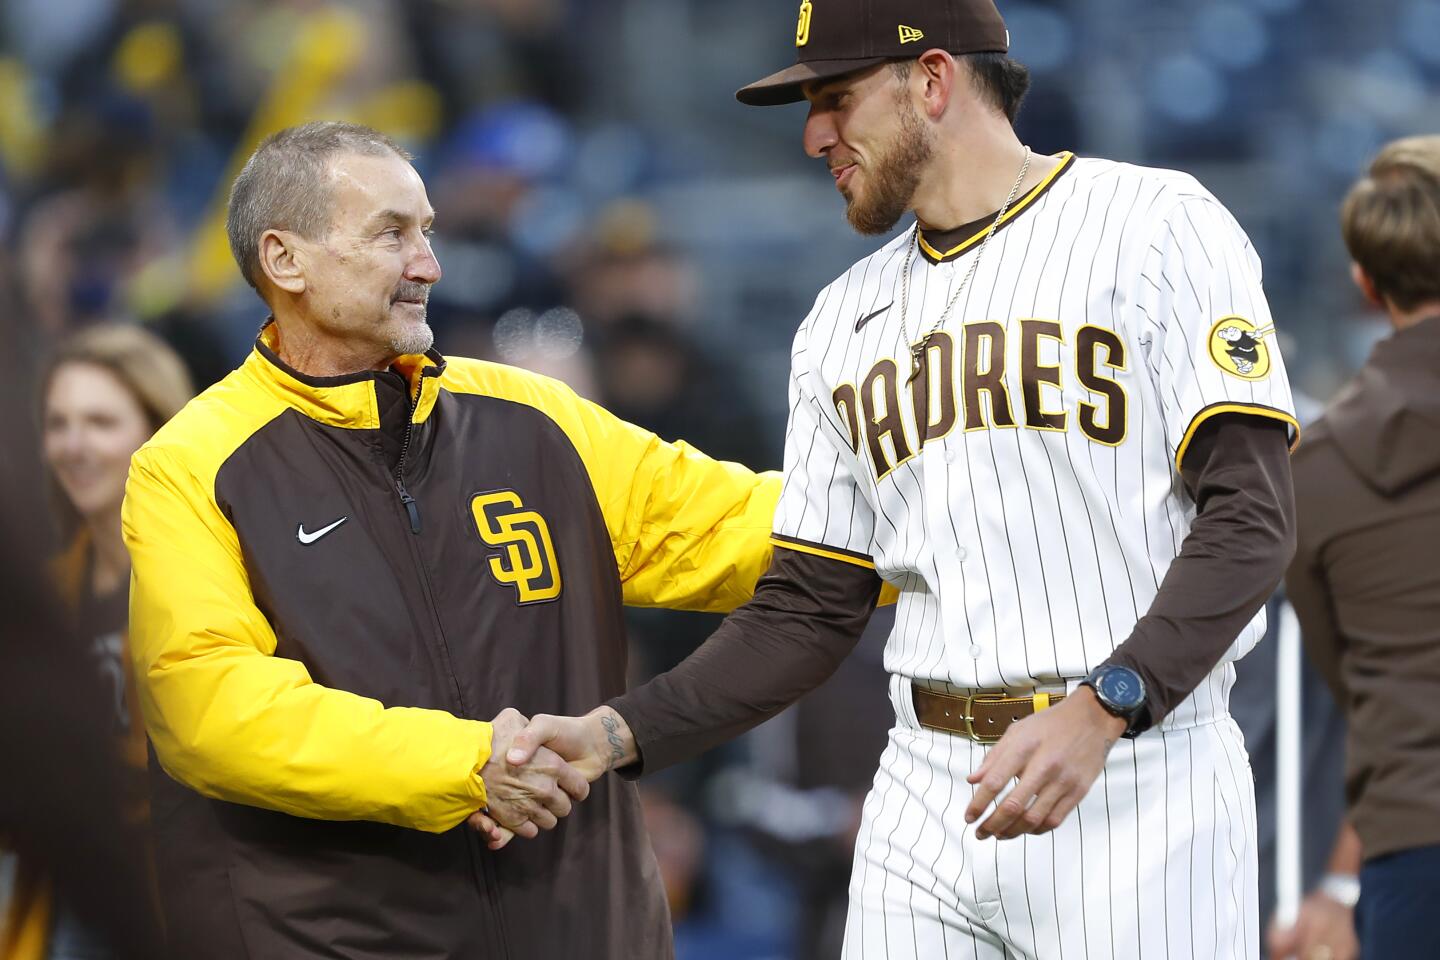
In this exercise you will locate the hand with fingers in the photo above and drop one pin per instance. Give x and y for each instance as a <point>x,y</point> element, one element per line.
<point>527,796</point>
<point>1324,929</point>
<point>588,746</point>
<point>1056,754</point>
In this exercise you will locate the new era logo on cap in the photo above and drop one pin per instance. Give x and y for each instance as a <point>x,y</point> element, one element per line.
<point>910,34</point>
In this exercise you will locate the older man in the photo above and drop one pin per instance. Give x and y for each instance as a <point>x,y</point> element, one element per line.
<point>349,554</point>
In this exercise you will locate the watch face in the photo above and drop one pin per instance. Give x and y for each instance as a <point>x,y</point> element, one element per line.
<point>1122,688</point>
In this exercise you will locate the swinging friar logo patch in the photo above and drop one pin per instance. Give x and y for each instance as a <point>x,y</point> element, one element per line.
<point>1238,347</point>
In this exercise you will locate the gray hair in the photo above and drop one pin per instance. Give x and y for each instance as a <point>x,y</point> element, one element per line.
<point>285,185</point>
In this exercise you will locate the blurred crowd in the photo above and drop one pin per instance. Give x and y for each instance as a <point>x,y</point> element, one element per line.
<point>607,215</point>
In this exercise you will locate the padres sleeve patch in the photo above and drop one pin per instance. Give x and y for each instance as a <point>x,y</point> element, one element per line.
<point>1239,349</point>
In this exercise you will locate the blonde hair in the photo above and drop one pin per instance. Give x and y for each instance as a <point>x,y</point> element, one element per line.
<point>1391,222</point>
<point>150,370</point>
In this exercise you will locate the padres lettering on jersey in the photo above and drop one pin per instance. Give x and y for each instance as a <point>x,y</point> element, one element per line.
<point>899,421</point>
<point>1023,491</point>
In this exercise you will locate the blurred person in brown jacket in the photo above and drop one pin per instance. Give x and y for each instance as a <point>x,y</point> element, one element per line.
<point>64,834</point>
<point>103,394</point>
<point>1366,576</point>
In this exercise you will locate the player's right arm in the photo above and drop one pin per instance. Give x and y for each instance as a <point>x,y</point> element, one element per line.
<point>233,721</point>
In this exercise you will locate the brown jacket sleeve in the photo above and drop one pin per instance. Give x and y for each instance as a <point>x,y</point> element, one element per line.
<point>806,616</point>
<point>1309,594</point>
<point>1238,470</point>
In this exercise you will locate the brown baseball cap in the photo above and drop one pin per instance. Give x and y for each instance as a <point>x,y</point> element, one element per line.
<point>835,37</point>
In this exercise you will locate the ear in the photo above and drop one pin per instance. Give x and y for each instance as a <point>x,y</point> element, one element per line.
<point>1366,285</point>
<point>282,261</point>
<point>938,71</point>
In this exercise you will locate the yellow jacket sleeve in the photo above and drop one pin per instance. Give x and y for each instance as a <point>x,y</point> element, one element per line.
<point>233,721</point>
<point>690,532</point>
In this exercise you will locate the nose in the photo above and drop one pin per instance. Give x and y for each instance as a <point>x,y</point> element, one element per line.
<point>820,136</point>
<point>423,267</point>
<point>66,442</point>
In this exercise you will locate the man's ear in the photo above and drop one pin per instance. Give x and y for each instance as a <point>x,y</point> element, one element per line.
<point>940,72</point>
<point>282,261</point>
<point>1366,285</point>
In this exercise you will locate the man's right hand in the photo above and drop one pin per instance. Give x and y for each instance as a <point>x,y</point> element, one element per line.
<point>527,795</point>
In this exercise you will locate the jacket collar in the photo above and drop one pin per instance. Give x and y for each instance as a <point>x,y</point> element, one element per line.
<point>344,401</point>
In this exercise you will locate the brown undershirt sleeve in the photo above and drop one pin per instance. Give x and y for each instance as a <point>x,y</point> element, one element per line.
<point>806,616</point>
<point>1237,468</point>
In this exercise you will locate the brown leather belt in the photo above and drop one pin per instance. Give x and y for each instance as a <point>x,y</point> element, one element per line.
<point>982,717</point>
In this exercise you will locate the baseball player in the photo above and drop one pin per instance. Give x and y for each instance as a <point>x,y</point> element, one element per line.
<point>1021,411</point>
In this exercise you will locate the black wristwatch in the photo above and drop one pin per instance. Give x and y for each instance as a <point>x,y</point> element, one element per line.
<point>1120,691</point>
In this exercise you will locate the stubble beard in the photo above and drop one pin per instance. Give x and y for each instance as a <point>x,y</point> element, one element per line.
<point>414,336</point>
<point>892,178</point>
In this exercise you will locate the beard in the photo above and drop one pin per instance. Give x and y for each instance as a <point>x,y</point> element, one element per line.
<point>892,177</point>
<point>414,337</point>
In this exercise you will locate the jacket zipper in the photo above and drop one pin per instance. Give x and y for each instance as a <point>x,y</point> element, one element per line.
<point>412,509</point>
<point>482,868</point>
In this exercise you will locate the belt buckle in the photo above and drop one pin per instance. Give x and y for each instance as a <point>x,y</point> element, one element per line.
<point>970,719</point>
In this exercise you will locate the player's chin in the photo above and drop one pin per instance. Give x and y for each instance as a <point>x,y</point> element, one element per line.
<point>868,219</point>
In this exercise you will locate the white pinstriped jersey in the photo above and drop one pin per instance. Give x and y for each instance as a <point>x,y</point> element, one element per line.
<point>1027,501</point>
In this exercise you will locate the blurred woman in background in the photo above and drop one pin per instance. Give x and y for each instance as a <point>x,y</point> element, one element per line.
<point>105,392</point>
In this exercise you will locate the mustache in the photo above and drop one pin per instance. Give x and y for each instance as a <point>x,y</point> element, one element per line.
<point>412,291</point>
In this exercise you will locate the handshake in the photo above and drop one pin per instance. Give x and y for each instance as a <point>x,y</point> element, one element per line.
<point>538,769</point>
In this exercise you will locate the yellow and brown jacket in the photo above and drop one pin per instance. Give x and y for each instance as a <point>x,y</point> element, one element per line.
<point>336,581</point>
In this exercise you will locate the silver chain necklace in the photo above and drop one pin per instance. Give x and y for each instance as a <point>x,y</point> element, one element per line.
<point>917,347</point>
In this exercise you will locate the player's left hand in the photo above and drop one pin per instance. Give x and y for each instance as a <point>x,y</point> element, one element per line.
<point>1057,754</point>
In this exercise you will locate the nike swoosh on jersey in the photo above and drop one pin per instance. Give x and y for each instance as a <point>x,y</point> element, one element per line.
<point>871,316</point>
<point>304,537</point>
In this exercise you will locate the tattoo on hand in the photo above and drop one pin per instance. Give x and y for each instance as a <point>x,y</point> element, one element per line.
<point>617,745</point>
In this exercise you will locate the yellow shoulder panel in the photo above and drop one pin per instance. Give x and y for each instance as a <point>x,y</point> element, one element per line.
<point>211,427</point>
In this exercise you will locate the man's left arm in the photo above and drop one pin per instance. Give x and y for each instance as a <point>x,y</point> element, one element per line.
<point>689,532</point>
